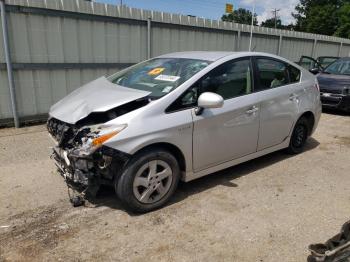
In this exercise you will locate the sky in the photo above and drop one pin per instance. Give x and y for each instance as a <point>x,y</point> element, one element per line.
<point>214,9</point>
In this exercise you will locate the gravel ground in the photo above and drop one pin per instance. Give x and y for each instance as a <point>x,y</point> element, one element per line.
<point>268,209</point>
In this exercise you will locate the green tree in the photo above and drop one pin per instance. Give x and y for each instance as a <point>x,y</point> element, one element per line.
<point>322,20</point>
<point>241,16</point>
<point>317,16</point>
<point>343,29</point>
<point>271,23</point>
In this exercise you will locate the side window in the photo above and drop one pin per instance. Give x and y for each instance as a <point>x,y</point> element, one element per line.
<point>231,79</point>
<point>187,100</point>
<point>294,74</point>
<point>272,73</point>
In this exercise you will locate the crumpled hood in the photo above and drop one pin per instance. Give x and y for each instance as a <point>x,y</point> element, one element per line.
<point>99,95</point>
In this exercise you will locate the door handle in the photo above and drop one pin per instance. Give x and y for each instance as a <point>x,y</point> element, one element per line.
<point>292,97</point>
<point>252,110</point>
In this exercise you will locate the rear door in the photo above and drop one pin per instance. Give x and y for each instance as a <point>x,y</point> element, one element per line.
<point>278,100</point>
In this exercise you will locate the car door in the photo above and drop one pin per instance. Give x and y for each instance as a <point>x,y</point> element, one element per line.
<point>278,99</point>
<point>230,132</point>
<point>308,63</point>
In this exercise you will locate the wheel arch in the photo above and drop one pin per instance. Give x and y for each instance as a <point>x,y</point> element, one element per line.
<point>173,149</point>
<point>310,117</point>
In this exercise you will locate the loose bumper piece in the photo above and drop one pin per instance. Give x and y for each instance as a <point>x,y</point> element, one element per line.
<point>334,249</point>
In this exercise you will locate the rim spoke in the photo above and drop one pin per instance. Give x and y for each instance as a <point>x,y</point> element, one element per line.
<point>161,189</point>
<point>141,181</point>
<point>146,195</point>
<point>152,168</point>
<point>164,174</point>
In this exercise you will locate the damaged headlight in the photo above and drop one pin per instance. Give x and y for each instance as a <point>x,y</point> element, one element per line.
<point>101,134</point>
<point>105,133</point>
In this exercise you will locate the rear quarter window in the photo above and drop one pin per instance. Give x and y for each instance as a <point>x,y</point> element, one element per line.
<point>294,74</point>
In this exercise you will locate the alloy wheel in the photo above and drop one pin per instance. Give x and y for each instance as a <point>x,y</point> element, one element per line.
<point>152,181</point>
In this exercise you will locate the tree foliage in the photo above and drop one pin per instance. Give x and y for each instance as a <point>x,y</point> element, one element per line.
<point>270,22</point>
<point>343,30</point>
<point>328,17</point>
<point>241,16</point>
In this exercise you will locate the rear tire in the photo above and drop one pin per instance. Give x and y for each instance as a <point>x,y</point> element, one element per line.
<point>148,181</point>
<point>299,136</point>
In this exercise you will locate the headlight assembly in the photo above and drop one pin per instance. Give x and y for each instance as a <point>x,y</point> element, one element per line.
<point>105,133</point>
<point>101,134</point>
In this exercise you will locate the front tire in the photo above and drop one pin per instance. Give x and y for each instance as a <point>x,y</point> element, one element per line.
<point>299,136</point>
<point>148,181</point>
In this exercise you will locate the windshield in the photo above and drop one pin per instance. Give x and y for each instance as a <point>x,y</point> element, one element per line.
<point>326,61</point>
<point>340,67</point>
<point>160,75</point>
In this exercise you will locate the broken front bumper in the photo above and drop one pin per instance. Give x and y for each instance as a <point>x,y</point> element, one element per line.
<point>74,168</point>
<point>87,172</point>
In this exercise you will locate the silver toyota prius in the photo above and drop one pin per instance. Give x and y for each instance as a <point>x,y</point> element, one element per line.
<point>180,116</point>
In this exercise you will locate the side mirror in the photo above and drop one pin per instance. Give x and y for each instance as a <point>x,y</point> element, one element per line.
<point>315,70</point>
<point>209,100</point>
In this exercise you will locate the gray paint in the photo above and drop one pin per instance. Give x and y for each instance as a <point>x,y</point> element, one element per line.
<point>99,95</point>
<point>257,123</point>
<point>87,32</point>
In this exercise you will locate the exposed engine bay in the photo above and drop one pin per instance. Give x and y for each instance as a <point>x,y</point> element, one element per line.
<point>85,168</point>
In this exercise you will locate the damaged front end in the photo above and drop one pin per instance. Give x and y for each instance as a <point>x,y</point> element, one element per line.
<point>77,123</point>
<point>82,159</point>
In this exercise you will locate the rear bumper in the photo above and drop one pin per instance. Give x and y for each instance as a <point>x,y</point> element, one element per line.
<point>336,101</point>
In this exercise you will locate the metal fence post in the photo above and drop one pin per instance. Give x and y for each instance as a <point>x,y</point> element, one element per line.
<point>314,48</point>
<point>238,44</point>
<point>149,37</point>
<point>280,45</point>
<point>340,49</point>
<point>8,63</point>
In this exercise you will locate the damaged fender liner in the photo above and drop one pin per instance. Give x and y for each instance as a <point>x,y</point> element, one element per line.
<point>86,173</point>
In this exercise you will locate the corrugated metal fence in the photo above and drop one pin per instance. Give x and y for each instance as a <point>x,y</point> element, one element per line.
<point>58,45</point>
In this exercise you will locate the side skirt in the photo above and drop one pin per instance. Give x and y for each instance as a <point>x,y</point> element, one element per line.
<point>194,175</point>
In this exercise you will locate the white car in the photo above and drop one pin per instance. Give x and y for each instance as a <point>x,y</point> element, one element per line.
<point>180,116</point>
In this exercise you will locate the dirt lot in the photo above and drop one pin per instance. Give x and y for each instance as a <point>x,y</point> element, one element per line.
<point>269,209</point>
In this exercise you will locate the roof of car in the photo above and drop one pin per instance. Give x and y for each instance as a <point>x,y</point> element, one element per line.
<point>207,55</point>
